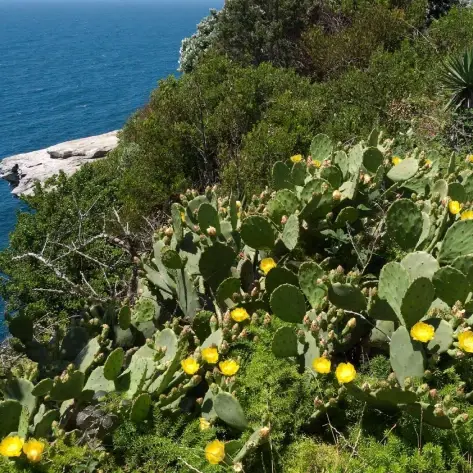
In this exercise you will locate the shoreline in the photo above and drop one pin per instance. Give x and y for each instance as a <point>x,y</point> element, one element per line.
<point>23,170</point>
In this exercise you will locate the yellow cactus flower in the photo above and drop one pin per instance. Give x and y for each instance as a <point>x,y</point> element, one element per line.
<point>422,332</point>
<point>210,355</point>
<point>297,158</point>
<point>215,452</point>
<point>190,365</point>
<point>465,341</point>
<point>33,450</point>
<point>183,216</point>
<point>229,367</point>
<point>345,373</point>
<point>470,158</point>
<point>428,162</point>
<point>454,207</point>
<point>204,424</point>
<point>467,215</point>
<point>321,365</point>
<point>396,160</point>
<point>316,163</point>
<point>239,315</point>
<point>238,204</point>
<point>267,264</point>
<point>11,446</point>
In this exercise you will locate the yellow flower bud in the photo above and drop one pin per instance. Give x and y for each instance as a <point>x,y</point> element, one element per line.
<point>396,160</point>
<point>204,424</point>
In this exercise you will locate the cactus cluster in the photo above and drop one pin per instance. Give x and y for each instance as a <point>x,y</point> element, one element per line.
<point>349,247</point>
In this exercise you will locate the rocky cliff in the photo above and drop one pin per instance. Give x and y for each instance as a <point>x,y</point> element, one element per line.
<point>23,170</point>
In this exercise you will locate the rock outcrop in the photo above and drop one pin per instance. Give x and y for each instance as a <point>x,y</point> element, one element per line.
<point>23,170</point>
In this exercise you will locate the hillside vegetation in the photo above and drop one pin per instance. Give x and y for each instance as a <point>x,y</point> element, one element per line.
<point>274,269</point>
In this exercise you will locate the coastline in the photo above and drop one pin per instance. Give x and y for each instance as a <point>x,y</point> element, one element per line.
<point>22,171</point>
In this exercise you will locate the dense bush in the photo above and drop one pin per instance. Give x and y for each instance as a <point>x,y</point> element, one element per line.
<point>212,368</point>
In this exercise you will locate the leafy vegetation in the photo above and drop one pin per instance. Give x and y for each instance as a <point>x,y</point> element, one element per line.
<point>297,315</point>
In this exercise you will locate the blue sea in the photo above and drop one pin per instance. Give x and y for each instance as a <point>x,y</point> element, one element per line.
<point>71,69</point>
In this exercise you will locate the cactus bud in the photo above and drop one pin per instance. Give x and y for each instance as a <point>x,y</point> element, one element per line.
<point>366,387</point>
<point>169,232</point>
<point>366,179</point>
<point>439,412</point>
<point>318,402</point>
<point>254,292</point>
<point>433,393</point>
<point>336,195</point>
<point>238,467</point>
<point>211,231</point>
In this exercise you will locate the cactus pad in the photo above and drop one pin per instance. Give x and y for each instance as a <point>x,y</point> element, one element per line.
<point>229,410</point>
<point>10,413</point>
<point>404,170</point>
<point>285,202</point>
<point>299,173</point>
<point>404,223</point>
<point>393,284</point>
<point>208,217</point>
<point>288,303</point>
<point>69,389</point>
<point>458,241</point>
<point>425,413</point>
<point>465,265</point>
<point>451,285</point>
<point>372,159</point>
<point>416,301</point>
<point>441,188</point>
<point>457,192</point>
<point>21,327</point>
<point>406,355</point>
<point>177,221</point>
<point>258,233</point>
<point>278,276</point>
<point>321,148</point>
<point>284,342</point>
<point>443,338</point>
<point>332,174</point>
<point>420,265</point>
<point>140,408</point>
<point>215,264</point>
<point>341,160</point>
<point>86,357</point>
<point>346,215</point>
<point>290,234</point>
<point>281,175</point>
<point>21,390</point>
<point>225,291</point>
<point>113,364</point>
<point>43,387</point>
<point>346,296</point>
<point>355,159</point>
<point>309,273</point>
<point>171,258</point>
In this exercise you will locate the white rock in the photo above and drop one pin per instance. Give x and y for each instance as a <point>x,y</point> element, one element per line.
<point>23,170</point>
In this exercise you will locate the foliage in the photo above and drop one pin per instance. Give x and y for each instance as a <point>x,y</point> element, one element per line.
<point>375,260</point>
<point>458,80</point>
